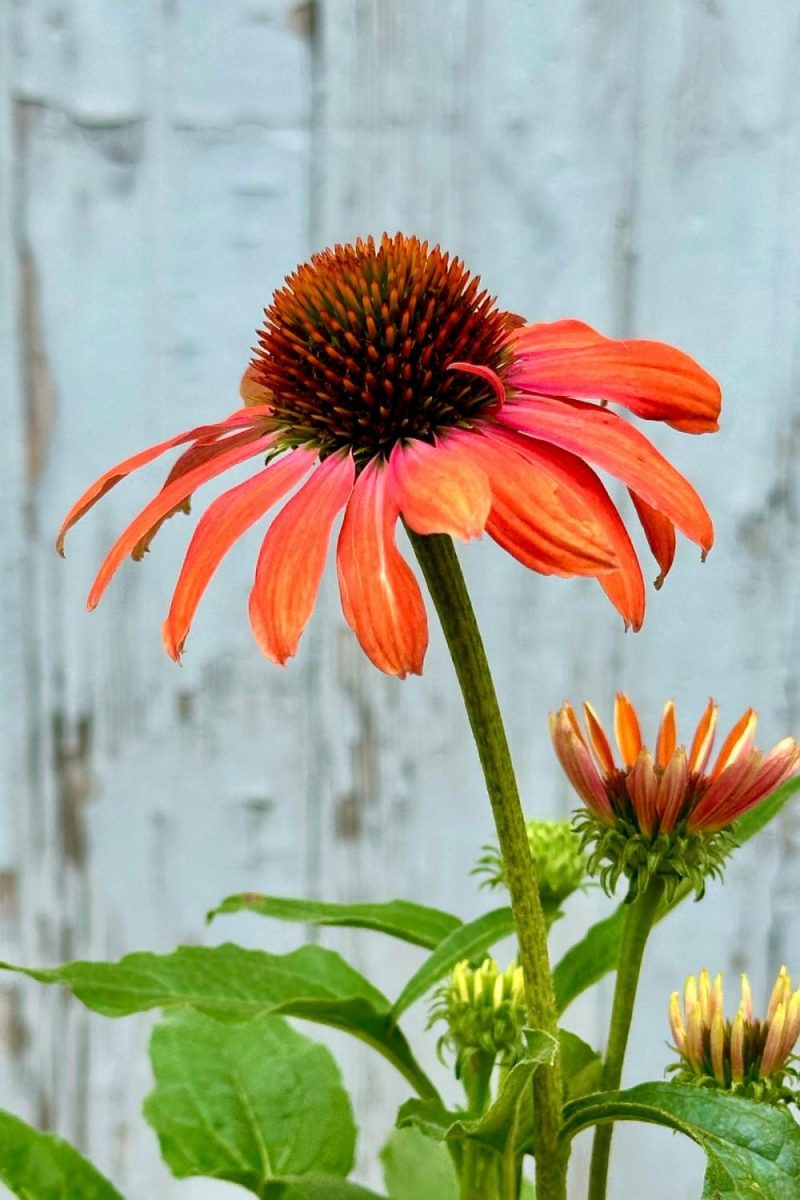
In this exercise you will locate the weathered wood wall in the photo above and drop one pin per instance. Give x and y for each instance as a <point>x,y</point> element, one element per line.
<point>162,166</point>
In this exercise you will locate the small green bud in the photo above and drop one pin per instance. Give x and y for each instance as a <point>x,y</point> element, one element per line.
<point>485,1012</point>
<point>561,866</point>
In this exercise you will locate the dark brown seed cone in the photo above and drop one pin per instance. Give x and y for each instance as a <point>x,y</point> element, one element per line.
<point>355,347</point>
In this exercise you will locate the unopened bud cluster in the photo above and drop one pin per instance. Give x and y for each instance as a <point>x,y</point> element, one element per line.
<point>485,1012</point>
<point>560,862</point>
<point>746,1055</point>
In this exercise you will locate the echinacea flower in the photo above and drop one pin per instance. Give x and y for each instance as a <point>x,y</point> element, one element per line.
<point>387,385</point>
<point>666,813</point>
<point>485,1012</point>
<point>746,1055</point>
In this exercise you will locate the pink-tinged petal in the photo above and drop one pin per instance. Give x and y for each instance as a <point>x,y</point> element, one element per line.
<point>223,523</point>
<point>491,377</point>
<point>704,738</point>
<point>578,766</point>
<point>166,500</point>
<point>656,381</point>
<point>609,442</point>
<point>781,992</point>
<point>642,784</point>
<point>737,1049</point>
<point>440,488</point>
<point>738,742</point>
<point>292,558</point>
<point>771,1057</point>
<point>623,585</point>
<point>600,743</point>
<point>773,770</point>
<point>534,516</point>
<point>723,793</point>
<point>660,534</point>
<point>672,791</point>
<point>746,1002</point>
<point>626,729</point>
<point>381,599</point>
<point>667,735</point>
<point>792,1027</point>
<point>122,469</point>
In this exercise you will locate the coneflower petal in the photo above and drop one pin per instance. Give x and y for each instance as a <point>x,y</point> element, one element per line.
<point>642,785</point>
<point>667,735</point>
<point>534,515</point>
<point>579,766</point>
<point>440,489</point>
<point>600,743</point>
<point>655,381</point>
<point>606,440</point>
<point>627,729</point>
<point>223,522</point>
<point>738,742</point>
<point>704,738</point>
<point>292,558</point>
<point>660,534</point>
<point>722,796</point>
<point>381,599</point>
<point>164,502</point>
<point>115,474</point>
<point>672,790</point>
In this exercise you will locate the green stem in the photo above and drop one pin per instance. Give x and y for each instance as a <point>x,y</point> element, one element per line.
<point>639,920</point>
<point>445,581</point>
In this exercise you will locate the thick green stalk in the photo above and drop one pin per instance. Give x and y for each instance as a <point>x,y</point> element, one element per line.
<point>639,920</point>
<point>442,571</point>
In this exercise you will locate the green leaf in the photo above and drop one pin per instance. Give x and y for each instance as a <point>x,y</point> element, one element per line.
<point>753,1150</point>
<point>317,1187</point>
<point>416,1168</point>
<point>230,983</point>
<point>247,1102</point>
<point>468,941</point>
<point>581,1066</point>
<point>595,955</point>
<point>40,1166</point>
<point>398,918</point>
<point>508,1117</point>
<point>589,960</point>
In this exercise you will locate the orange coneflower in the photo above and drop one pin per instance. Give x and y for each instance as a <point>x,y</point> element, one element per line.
<point>387,384</point>
<point>665,813</point>
<point>746,1055</point>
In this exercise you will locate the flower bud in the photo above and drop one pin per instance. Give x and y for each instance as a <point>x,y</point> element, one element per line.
<point>560,862</point>
<point>485,1012</point>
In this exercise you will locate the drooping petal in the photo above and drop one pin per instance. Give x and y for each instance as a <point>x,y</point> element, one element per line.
<point>609,442</point>
<point>222,524</point>
<point>704,738</point>
<point>578,766</point>
<point>114,474</point>
<point>491,377</point>
<point>623,584</point>
<point>381,599</point>
<point>656,381</point>
<point>292,558</point>
<point>627,729</point>
<point>164,502</point>
<point>534,516</point>
<point>440,488</point>
<point>667,735</point>
<point>660,534</point>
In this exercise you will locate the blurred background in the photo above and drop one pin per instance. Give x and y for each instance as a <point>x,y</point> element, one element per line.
<point>163,165</point>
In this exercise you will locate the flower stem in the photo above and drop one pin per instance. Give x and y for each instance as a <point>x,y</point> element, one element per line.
<point>639,920</point>
<point>442,571</point>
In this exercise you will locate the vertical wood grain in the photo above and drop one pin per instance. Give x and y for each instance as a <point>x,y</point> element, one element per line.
<point>164,164</point>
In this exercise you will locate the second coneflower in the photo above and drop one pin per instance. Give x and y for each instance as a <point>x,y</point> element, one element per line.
<point>387,385</point>
<point>665,812</point>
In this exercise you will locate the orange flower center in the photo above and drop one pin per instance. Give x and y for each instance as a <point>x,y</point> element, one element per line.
<point>356,346</point>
